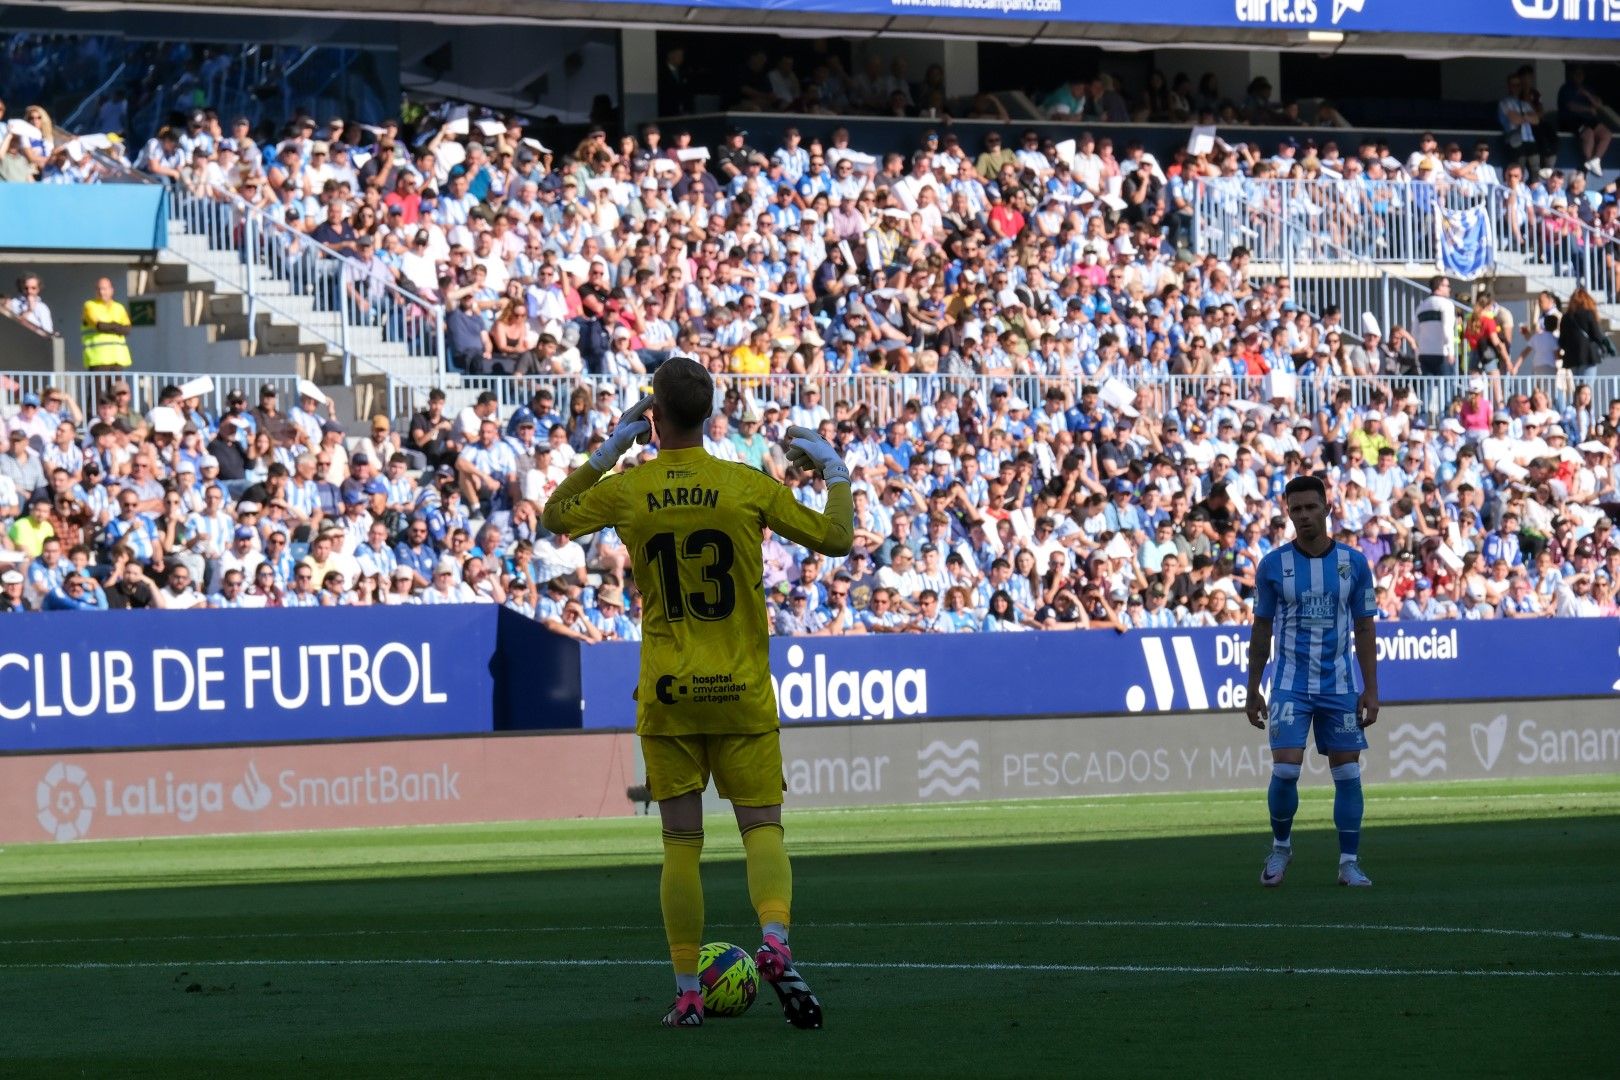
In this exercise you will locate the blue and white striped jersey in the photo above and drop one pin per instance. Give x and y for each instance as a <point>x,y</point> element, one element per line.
<point>1314,603</point>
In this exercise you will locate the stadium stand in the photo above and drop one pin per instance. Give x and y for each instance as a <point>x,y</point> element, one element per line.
<point>1070,378</point>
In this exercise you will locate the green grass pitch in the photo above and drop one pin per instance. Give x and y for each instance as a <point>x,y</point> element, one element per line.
<point>1078,937</point>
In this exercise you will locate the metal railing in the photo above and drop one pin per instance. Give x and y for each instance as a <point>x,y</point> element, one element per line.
<point>84,388</point>
<point>1564,244</point>
<point>92,100</point>
<point>1394,222</point>
<point>1358,287</point>
<point>884,397</point>
<point>275,261</point>
<point>1382,221</point>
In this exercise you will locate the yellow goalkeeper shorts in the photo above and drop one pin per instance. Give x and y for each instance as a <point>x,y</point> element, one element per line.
<point>747,769</point>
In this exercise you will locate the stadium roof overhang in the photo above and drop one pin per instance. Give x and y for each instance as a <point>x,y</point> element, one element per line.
<point>1303,24</point>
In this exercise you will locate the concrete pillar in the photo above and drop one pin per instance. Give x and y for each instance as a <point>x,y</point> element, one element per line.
<point>961,62</point>
<point>1480,78</point>
<point>1233,69</point>
<point>1550,75</point>
<point>638,74</point>
<point>1485,78</point>
<point>918,53</point>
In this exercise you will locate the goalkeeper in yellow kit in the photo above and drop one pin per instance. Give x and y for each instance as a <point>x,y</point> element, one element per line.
<point>705,704</point>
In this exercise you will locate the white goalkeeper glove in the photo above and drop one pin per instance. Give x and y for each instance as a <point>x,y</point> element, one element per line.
<point>811,452</point>
<point>631,428</point>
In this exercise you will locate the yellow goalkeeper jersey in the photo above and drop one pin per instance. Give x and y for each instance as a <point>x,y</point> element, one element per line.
<point>693,526</point>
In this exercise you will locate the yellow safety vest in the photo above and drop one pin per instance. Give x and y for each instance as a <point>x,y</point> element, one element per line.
<point>102,349</point>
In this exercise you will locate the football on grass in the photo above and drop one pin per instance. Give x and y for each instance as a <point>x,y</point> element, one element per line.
<point>729,979</point>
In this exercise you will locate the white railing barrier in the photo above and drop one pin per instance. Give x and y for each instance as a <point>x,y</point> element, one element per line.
<point>884,396</point>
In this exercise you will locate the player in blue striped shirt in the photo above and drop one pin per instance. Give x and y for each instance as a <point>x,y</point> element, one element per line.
<point>1316,597</point>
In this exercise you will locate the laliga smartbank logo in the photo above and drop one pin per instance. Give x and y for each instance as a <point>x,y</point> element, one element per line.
<point>67,802</point>
<point>68,799</point>
<point>251,793</point>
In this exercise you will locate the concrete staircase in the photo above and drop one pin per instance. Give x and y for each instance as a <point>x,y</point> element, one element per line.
<point>212,284</point>
<point>1519,278</point>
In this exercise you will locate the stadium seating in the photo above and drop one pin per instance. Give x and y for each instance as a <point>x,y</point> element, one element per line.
<point>1070,374</point>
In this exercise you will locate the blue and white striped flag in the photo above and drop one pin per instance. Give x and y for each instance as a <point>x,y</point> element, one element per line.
<point>1467,242</point>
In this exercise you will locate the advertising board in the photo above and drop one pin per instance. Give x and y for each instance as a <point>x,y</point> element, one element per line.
<point>1530,18</point>
<point>157,678</point>
<point>146,793</point>
<point>1098,672</point>
<point>945,761</point>
<point>150,793</point>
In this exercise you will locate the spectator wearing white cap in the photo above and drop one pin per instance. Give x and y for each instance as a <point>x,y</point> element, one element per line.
<point>447,586</point>
<point>305,415</point>
<point>11,592</point>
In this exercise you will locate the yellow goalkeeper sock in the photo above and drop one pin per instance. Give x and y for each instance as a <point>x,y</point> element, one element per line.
<point>770,876</point>
<point>680,892</point>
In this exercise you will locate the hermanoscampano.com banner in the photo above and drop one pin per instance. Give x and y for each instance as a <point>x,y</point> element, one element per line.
<point>1537,18</point>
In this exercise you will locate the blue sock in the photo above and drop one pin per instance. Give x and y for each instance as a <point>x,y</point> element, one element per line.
<point>1347,805</point>
<point>1283,798</point>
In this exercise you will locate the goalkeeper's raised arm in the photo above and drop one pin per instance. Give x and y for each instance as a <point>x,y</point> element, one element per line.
<point>833,530</point>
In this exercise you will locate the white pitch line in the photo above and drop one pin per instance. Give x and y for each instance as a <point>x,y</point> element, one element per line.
<point>1100,800</point>
<point>842,965</point>
<point>1210,924</point>
<point>1077,924</point>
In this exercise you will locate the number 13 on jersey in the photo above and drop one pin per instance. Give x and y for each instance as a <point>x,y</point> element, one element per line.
<point>712,554</point>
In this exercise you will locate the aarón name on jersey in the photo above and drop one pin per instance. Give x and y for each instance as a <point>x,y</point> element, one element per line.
<point>705,497</point>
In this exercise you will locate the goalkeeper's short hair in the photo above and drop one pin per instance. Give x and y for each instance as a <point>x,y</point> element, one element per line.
<point>684,393</point>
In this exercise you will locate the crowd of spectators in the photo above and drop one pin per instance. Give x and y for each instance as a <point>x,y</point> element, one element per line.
<point>1072,407</point>
<point>1087,508</point>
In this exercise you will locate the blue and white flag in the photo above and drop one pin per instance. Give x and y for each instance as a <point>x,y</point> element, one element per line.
<point>1467,242</point>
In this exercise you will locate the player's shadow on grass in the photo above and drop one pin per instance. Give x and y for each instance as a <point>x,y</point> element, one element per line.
<point>1165,910</point>
<point>1507,872</point>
